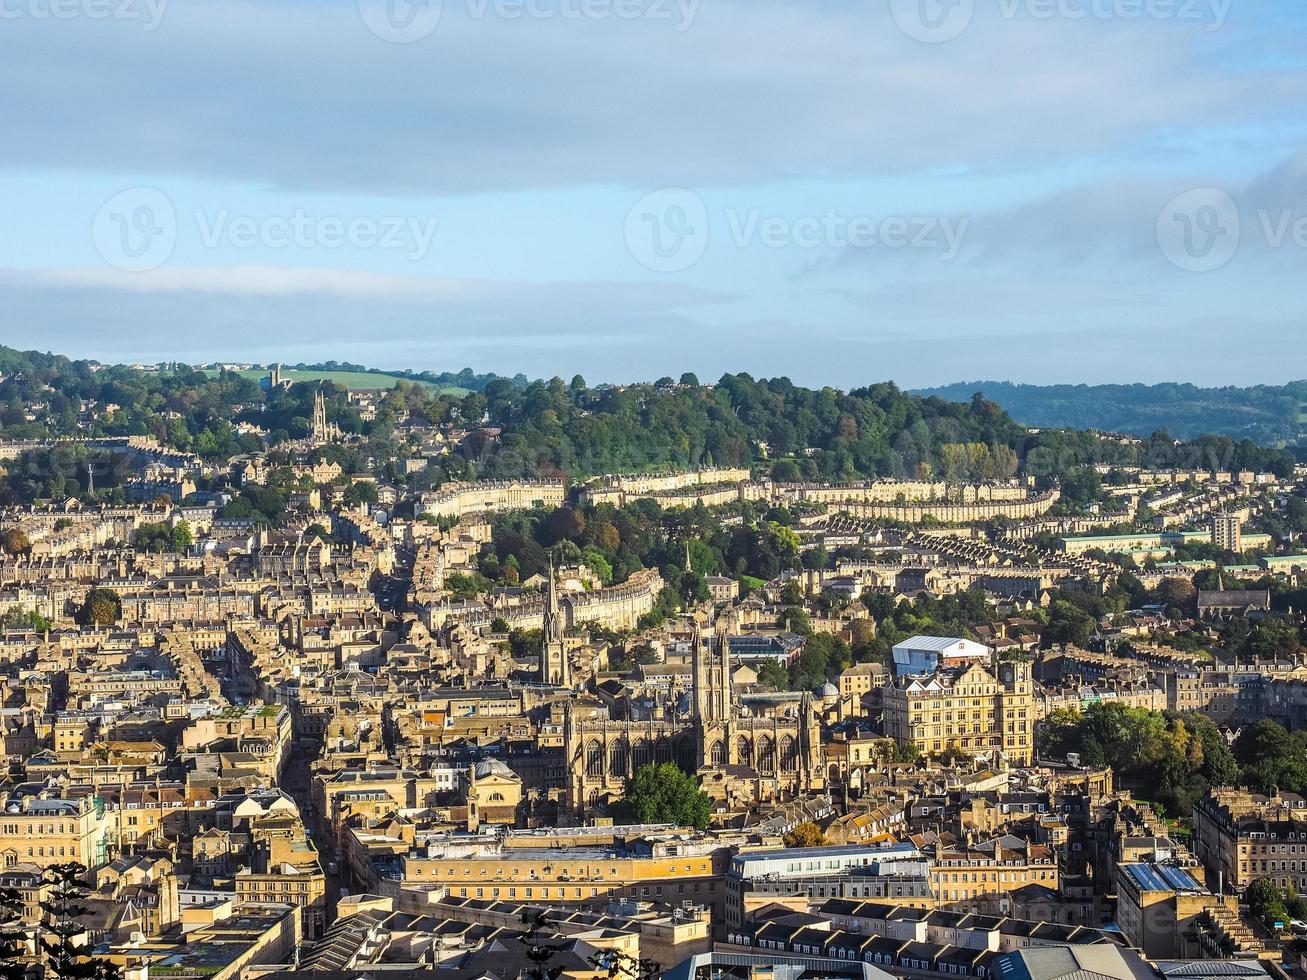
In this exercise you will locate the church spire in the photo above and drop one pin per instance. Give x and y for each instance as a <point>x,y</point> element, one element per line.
<point>553,632</point>
<point>554,668</point>
<point>319,416</point>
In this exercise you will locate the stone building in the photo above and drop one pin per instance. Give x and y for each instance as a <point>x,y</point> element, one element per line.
<point>743,749</point>
<point>976,709</point>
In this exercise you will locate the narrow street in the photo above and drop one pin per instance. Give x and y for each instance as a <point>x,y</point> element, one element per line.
<point>297,781</point>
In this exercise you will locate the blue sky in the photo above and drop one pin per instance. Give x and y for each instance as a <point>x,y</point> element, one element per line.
<point>921,190</point>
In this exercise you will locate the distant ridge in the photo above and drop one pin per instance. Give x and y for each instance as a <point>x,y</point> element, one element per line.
<point>1269,415</point>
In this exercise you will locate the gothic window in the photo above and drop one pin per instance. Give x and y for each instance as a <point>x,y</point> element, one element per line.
<point>766,754</point>
<point>717,754</point>
<point>745,751</point>
<point>619,758</point>
<point>594,759</point>
<point>685,755</point>
<point>643,753</point>
<point>789,754</point>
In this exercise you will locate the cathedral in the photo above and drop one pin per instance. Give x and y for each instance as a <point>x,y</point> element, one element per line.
<point>745,749</point>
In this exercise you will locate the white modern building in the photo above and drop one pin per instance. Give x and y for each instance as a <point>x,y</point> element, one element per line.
<point>927,654</point>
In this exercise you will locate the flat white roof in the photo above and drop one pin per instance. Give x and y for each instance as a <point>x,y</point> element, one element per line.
<point>938,643</point>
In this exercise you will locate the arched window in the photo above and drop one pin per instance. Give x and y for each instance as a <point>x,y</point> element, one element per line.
<point>643,754</point>
<point>789,754</point>
<point>619,758</point>
<point>594,759</point>
<point>685,755</point>
<point>766,754</point>
<point>717,754</point>
<point>745,752</point>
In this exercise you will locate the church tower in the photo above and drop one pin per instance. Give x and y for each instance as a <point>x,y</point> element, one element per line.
<point>711,678</point>
<point>554,667</point>
<point>320,431</point>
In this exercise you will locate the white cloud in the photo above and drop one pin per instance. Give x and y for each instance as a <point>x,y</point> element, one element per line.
<point>300,95</point>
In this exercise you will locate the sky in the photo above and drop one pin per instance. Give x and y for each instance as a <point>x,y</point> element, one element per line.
<point>927,191</point>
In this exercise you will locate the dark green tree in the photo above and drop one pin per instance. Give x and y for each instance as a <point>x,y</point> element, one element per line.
<point>663,793</point>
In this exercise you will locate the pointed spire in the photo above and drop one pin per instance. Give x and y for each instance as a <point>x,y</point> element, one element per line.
<point>551,639</point>
<point>553,631</point>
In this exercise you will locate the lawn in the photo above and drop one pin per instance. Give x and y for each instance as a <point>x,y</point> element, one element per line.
<point>349,379</point>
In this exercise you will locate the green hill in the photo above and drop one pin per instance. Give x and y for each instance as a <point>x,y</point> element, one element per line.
<point>1267,414</point>
<point>353,379</point>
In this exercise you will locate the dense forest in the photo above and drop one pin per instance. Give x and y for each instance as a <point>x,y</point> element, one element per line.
<point>794,433</point>
<point>1267,414</point>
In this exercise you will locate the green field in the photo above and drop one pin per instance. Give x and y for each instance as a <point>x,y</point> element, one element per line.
<point>349,379</point>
